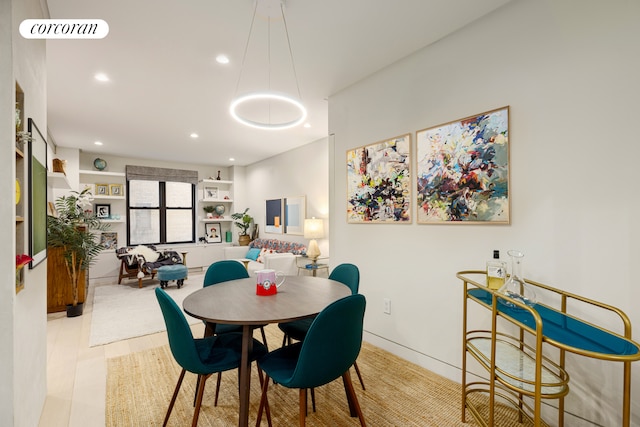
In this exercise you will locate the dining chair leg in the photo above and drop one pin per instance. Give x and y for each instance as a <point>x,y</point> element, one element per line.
<point>263,402</point>
<point>264,337</point>
<point>196,413</point>
<point>303,406</point>
<point>351,395</point>
<point>218,380</point>
<point>266,409</point>
<point>173,398</point>
<point>355,365</point>
<point>313,399</point>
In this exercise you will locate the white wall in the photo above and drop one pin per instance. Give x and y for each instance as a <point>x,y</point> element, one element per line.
<point>23,316</point>
<point>299,172</point>
<point>569,72</point>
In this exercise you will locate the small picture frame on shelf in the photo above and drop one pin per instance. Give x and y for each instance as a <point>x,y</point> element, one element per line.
<point>210,193</point>
<point>102,190</point>
<point>115,190</point>
<point>213,232</point>
<point>103,211</point>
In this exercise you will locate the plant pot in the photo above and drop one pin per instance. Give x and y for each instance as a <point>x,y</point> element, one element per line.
<point>244,240</point>
<point>75,311</point>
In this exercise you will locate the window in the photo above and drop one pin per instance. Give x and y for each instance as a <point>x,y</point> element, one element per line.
<point>160,212</point>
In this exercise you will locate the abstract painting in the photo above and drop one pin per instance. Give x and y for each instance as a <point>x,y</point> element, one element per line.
<point>38,195</point>
<point>463,170</point>
<point>273,220</point>
<point>294,214</point>
<point>379,182</point>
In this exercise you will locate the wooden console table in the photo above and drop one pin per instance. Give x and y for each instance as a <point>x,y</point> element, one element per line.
<point>533,375</point>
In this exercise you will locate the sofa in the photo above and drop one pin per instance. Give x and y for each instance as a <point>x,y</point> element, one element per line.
<point>273,254</point>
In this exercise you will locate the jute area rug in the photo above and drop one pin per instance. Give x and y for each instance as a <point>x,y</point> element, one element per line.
<point>126,311</point>
<point>398,393</point>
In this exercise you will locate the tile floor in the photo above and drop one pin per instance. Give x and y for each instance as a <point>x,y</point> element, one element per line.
<point>77,373</point>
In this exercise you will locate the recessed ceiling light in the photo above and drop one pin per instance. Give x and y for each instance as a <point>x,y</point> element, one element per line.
<point>101,77</point>
<point>222,59</point>
<point>307,125</point>
<point>98,143</point>
<point>231,159</point>
<point>194,135</point>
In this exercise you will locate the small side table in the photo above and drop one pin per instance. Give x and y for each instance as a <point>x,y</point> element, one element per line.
<point>313,268</point>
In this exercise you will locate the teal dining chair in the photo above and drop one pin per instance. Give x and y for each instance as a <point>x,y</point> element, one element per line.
<point>330,347</point>
<point>202,356</point>
<point>347,274</point>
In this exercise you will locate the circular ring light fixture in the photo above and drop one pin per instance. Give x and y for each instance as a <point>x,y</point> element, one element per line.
<point>271,97</point>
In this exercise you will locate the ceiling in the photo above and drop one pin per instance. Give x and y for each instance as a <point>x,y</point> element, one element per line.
<point>165,83</point>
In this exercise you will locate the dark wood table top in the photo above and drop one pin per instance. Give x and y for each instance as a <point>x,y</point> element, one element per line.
<point>236,302</point>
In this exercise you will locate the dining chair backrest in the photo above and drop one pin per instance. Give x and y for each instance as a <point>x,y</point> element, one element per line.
<point>223,271</point>
<point>181,341</point>
<point>332,343</point>
<point>347,274</point>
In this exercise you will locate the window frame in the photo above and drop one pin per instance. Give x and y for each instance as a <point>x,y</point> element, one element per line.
<point>162,209</point>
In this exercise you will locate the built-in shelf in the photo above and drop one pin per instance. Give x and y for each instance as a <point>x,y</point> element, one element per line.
<point>58,180</point>
<point>223,219</point>
<point>19,219</point>
<point>216,200</point>
<point>215,181</point>
<point>112,220</point>
<point>100,173</point>
<point>108,198</point>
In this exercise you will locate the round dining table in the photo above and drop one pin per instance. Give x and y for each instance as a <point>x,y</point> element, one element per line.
<point>236,302</point>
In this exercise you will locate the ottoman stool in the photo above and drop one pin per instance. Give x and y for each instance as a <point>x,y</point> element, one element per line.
<point>177,272</point>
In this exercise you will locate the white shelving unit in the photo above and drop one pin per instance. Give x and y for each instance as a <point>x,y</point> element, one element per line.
<point>224,191</point>
<point>117,203</point>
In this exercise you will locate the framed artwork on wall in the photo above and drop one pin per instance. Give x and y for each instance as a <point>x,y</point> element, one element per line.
<point>273,223</point>
<point>213,232</point>
<point>294,214</point>
<point>37,195</point>
<point>379,182</point>
<point>463,170</point>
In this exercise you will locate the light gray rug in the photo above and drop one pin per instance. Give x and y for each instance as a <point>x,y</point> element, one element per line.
<point>126,311</point>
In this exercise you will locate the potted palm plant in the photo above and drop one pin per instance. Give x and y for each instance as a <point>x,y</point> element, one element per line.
<point>73,230</point>
<point>243,220</point>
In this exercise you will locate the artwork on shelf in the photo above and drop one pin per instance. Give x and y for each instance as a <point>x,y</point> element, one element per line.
<point>213,232</point>
<point>463,170</point>
<point>273,222</point>
<point>116,190</point>
<point>294,214</point>
<point>210,193</point>
<point>109,240</point>
<point>379,182</point>
<point>37,195</point>
<point>102,190</point>
<point>103,211</point>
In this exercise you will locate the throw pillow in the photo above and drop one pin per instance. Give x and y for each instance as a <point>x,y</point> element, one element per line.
<point>253,254</point>
<point>262,252</point>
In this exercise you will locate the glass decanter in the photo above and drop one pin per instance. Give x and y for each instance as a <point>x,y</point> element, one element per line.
<point>515,286</point>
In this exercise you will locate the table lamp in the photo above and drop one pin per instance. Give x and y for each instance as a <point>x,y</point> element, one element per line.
<point>313,229</point>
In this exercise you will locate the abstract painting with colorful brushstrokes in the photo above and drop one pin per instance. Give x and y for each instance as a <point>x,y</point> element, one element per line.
<point>379,186</point>
<point>463,170</point>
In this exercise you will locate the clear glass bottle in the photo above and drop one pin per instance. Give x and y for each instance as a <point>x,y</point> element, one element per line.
<point>515,286</point>
<point>496,272</point>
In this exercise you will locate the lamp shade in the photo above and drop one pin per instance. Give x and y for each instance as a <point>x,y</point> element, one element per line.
<point>313,228</point>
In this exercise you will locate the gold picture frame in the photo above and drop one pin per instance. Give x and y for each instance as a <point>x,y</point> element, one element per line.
<point>116,190</point>
<point>102,190</point>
